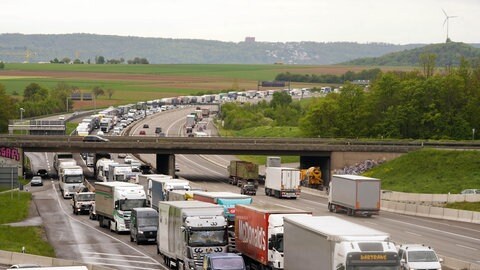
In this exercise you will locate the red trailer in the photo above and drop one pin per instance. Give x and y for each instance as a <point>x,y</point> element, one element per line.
<point>259,234</point>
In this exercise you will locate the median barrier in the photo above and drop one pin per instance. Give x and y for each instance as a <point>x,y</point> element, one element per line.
<point>436,212</point>
<point>458,264</point>
<point>466,216</point>
<point>10,258</point>
<point>429,199</point>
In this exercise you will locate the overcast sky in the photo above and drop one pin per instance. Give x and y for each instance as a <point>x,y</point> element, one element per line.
<point>391,21</point>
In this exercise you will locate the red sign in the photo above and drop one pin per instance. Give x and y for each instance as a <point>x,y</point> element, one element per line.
<point>11,153</point>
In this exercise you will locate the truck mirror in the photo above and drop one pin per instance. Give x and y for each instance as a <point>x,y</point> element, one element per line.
<point>182,228</point>
<point>116,205</point>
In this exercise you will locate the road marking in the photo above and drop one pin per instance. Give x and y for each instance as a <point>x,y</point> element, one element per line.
<point>213,162</point>
<point>371,223</point>
<point>466,247</point>
<point>323,204</point>
<point>113,254</point>
<point>105,234</point>
<point>196,164</point>
<point>298,209</point>
<point>126,266</point>
<point>412,233</point>
<point>119,260</point>
<point>432,229</point>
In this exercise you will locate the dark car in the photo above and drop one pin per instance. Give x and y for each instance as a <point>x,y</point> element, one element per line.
<point>248,188</point>
<point>42,173</point>
<point>158,130</point>
<point>145,126</point>
<point>94,138</point>
<point>145,169</point>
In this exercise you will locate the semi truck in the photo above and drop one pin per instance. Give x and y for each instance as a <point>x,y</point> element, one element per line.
<point>327,242</point>
<point>70,178</point>
<point>241,172</point>
<point>58,157</point>
<point>270,162</point>
<point>158,186</point>
<point>102,169</point>
<point>354,194</point>
<point>119,172</point>
<point>282,182</point>
<point>114,202</point>
<point>187,230</point>
<point>228,201</point>
<point>259,234</point>
<point>82,202</point>
<point>190,122</point>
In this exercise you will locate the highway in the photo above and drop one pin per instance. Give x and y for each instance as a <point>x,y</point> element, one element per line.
<point>77,237</point>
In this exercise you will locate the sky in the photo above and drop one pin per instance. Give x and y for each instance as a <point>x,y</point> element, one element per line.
<point>363,21</point>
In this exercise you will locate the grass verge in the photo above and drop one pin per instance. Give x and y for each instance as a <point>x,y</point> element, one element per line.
<point>14,207</point>
<point>470,206</point>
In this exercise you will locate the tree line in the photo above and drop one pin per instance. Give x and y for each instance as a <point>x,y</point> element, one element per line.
<point>368,74</point>
<point>400,105</point>
<point>38,100</point>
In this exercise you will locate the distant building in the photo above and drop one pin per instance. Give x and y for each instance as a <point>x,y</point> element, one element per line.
<point>250,39</point>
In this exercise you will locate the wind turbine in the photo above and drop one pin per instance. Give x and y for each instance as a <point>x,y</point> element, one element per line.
<point>447,18</point>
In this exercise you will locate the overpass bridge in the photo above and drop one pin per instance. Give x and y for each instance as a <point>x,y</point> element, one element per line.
<point>329,154</point>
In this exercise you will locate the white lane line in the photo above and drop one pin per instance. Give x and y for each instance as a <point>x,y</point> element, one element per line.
<point>198,165</point>
<point>107,235</point>
<point>113,254</point>
<point>118,260</point>
<point>213,162</point>
<point>371,223</point>
<point>298,209</point>
<point>462,246</point>
<point>435,230</point>
<point>174,123</point>
<point>310,201</point>
<point>412,233</point>
<point>124,266</point>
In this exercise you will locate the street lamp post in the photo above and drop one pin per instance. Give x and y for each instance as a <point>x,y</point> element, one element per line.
<point>473,134</point>
<point>21,118</point>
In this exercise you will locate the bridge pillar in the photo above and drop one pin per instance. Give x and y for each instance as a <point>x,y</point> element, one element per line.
<point>324,162</point>
<point>165,164</point>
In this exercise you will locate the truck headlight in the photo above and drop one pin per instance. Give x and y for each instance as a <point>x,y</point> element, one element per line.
<point>140,232</point>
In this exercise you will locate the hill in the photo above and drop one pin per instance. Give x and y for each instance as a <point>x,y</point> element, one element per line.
<point>430,171</point>
<point>43,48</point>
<point>448,54</point>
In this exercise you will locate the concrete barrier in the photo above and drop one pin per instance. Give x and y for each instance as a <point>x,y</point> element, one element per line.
<point>458,264</point>
<point>429,199</point>
<point>10,258</point>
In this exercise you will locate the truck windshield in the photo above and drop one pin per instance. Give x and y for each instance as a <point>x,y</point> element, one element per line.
<point>120,177</point>
<point>128,205</point>
<point>207,238</point>
<point>228,263</point>
<point>85,197</point>
<point>148,221</point>
<point>74,179</point>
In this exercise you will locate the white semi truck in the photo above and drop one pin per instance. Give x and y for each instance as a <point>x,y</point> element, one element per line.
<point>187,230</point>
<point>102,169</point>
<point>119,172</point>
<point>282,182</point>
<point>114,202</point>
<point>354,194</point>
<point>70,179</point>
<point>158,186</point>
<point>327,242</point>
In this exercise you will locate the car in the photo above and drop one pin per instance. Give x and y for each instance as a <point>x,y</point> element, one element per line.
<point>94,138</point>
<point>470,191</point>
<point>128,159</point>
<point>36,181</point>
<point>61,117</point>
<point>415,256</point>
<point>158,130</point>
<point>142,132</point>
<point>43,173</point>
<point>100,133</point>
<point>145,126</point>
<point>122,155</point>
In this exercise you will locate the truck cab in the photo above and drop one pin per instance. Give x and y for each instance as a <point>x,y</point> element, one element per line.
<point>223,261</point>
<point>82,202</point>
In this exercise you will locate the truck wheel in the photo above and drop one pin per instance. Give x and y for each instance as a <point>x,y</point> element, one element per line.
<point>349,212</point>
<point>131,238</point>
<point>330,207</point>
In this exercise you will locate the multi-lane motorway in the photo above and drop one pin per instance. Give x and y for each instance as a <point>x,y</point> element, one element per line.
<point>77,237</point>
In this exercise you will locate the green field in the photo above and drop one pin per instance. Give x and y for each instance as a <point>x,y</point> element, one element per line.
<point>430,171</point>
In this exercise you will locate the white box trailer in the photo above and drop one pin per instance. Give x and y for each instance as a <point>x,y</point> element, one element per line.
<point>282,182</point>
<point>187,230</point>
<point>354,194</point>
<point>327,243</point>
